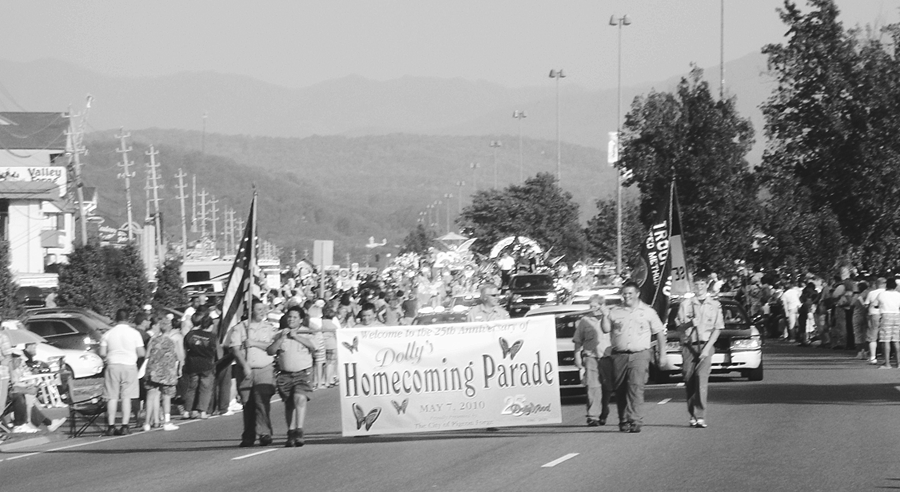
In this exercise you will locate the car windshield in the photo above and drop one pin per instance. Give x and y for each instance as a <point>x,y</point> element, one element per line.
<point>531,282</point>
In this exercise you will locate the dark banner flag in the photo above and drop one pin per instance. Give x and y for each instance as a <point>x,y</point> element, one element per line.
<point>239,289</point>
<point>652,271</point>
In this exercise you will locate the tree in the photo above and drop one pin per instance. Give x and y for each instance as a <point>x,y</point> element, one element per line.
<point>418,240</point>
<point>831,126</point>
<point>601,230</point>
<point>537,209</point>
<point>701,144</point>
<point>8,287</point>
<point>104,279</point>
<point>168,285</point>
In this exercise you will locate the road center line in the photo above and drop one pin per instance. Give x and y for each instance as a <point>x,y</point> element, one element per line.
<point>559,460</point>
<point>254,454</point>
<point>667,400</point>
<point>21,456</point>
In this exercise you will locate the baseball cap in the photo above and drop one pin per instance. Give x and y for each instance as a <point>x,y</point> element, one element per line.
<point>319,303</point>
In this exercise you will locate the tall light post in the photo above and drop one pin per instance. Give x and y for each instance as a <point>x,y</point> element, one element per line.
<point>619,22</point>
<point>429,207</point>
<point>557,74</point>
<point>448,196</point>
<point>495,144</point>
<point>437,215</point>
<point>520,115</point>
<point>474,166</point>
<point>459,185</point>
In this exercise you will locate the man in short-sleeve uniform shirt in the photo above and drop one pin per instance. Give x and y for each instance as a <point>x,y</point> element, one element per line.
<point>630,327</point>
<point>489,309</point>
<point>255,374</point>
<point>700,321</point>
<point>592,354</point>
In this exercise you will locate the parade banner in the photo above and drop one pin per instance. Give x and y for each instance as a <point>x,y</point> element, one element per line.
<point>429,378</point>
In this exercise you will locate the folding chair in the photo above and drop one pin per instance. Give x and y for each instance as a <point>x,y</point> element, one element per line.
<point>86,410</point>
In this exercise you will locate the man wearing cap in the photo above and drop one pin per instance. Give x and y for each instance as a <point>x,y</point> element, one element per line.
<point>630,327</point>
<point>489,309</point>
<point>699,320</point>
<point>255,374</point>
<point>592,354</point>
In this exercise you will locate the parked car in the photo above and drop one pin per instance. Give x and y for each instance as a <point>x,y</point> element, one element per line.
<point>608,292</point>
<point>67,328</point>
<point>738,348</point>
<point>30,296</point>
<point>439,318</point>
<point>461,303</point>
<point>76,363</point>
<point>527,291</point>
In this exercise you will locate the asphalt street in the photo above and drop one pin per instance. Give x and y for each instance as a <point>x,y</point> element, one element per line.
<point>820,420</point>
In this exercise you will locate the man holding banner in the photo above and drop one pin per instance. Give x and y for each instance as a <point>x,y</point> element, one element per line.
<point>630,327</point>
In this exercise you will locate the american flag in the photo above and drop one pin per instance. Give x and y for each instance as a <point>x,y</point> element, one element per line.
<point>242,280</point>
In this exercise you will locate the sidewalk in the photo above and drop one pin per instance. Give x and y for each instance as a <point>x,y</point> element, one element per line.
<point>18,442</point>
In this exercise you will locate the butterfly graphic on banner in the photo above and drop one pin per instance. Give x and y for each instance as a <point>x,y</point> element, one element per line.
<point>363,418</point>
<point>510,350</point>
<point>400,407</point>
<point>352,347</point>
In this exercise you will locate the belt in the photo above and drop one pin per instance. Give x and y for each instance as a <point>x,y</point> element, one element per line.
<point>628,351</point>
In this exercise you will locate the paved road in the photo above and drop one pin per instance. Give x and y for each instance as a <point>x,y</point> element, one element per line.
<point>819,421</point>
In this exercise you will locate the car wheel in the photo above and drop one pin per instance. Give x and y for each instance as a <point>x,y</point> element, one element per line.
<point>755,374</point>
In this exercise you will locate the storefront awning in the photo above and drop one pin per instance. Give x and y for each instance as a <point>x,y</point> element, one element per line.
<point>29,190</point>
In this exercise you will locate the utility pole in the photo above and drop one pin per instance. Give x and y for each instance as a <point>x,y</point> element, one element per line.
<point>154,166</point>
<point>203,138</point>
<point>214,209</point>
<point>181,186</point>
<point>474,166</point>
<point>125,174</point>
<point>75,148</point>
<point>203,194</point>
<point>520,115</point>
<point>230,215</point>
<point>240,225</point>
<point>194,204</point>
<point>448,196</point>
<point>459,184</point>
<point>495,144</point>
<point>293,257</point>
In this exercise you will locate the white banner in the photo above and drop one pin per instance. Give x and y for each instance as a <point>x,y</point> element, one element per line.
<point>448,377</point>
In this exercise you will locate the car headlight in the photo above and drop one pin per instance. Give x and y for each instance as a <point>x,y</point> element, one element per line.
<point>551,297</point>
<point>752,343</point>
<point>673,346</point>
<point>90,358</point>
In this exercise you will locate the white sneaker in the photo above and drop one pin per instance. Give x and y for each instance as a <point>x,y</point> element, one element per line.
<point>146,427</point>
<point>56,424</point>
<point>169,426</point>
<point>25,428</point>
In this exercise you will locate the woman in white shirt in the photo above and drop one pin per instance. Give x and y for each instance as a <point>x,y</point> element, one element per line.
<point>888,304</point>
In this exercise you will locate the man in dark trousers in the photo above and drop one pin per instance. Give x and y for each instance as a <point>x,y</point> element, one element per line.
<point>630,327</point>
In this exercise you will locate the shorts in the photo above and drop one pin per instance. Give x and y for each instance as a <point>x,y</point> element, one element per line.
<point>889,331</point>
<point>120,381</point>
<point>288,383</point>
<point>320,356</point>
<point>165,389</point>
<point>872,328</point>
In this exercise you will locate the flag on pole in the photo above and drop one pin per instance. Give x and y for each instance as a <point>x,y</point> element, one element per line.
<point>653,269</point>
<point>241,284</point>
<point>681,281</point>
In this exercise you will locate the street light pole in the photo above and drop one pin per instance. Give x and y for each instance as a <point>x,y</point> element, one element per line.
<point>557,74</point>
<point>619,22</point>
<point>459,184</point>
<point>495,144</point>
<point>519,115</point>
<point>474,166</point>
<point>437,215</point>
<point>448,196</point>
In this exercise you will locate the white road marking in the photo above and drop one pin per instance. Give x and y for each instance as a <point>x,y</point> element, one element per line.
<point>559,460</point>
<point>21,456</point>
<point>667,400</point>
<point>254,454</point>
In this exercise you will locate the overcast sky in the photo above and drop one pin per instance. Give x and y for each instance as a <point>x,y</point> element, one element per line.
<point>297,43</point>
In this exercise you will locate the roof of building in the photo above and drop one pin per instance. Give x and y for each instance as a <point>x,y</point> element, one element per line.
<point>33,131</point>
<point>29,190</point>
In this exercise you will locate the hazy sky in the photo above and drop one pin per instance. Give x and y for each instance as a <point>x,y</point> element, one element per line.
<point>298,43</point>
